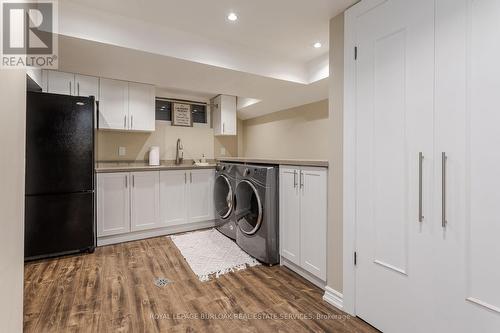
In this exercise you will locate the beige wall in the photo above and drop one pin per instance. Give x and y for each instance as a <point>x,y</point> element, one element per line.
<point>196,142</point>
<point>301,132</point>
<point>335,137</point>
<point>12,150</point>
<point>231,144</point>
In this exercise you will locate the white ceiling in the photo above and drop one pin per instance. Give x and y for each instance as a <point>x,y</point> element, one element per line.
<point>286,28</point>
<point>267,54</point>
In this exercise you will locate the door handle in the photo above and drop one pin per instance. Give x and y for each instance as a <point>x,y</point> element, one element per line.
<point>444,222</point>
<point>420,186</point>
<point>294,178</point>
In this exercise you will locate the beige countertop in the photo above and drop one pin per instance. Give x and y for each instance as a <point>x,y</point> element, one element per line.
<point>314,163</point>
<point>119,166</point>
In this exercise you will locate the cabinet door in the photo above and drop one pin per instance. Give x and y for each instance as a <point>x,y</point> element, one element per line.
<point>467,180</point>
<point>173,197</point>
<point>113,204</point>
<point>228,115</point>
<point>290,214</point>
<point>200,195</point>
<point>142,107</point>
<point>60,83</point>
<point>313,219</point>
<point>87,86</point>
<point>216,115</point>
<point>145,200</point>
<point>113,104</point>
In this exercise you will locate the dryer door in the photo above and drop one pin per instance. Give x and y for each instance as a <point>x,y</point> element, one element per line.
<point>249,212</point>
<point>223,197</point>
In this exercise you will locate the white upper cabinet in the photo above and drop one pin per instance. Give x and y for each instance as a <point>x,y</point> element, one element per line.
<point>145,200</point>
<point>126,106</point>
<point>224,115</point>
<point>63,83</point>
<point>173,195</point>
<point>86,86</point>
<point>141,106</point>
<point>113,104</point>
<point>113,204</point>
<point>60,83</point>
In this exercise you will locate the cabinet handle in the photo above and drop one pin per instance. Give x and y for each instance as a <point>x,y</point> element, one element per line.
<point>223,128</point>
<point>126,181</point>
<point>70,88</point>
<point>191,177</point>
<point>294,178</point>
<point>185,177</point>
<point>301,179</point>
<point>133,180</point>
<point>125,122</point>
<point>131,122</point>
<point>78,88</point>
<point>444,222</point>
<point>420,186</point>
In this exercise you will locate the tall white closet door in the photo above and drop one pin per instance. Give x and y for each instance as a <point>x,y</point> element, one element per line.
<point>468,118</point>
<point>394,112</point>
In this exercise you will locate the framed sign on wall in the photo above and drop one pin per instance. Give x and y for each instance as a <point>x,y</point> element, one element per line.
<point>181,115</point>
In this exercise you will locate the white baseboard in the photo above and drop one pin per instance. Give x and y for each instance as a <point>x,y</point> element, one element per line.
<point>137,235</point>
<point>334,298</point>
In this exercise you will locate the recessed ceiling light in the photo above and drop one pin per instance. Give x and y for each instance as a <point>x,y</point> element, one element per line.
<point>232,17</point>
<point>317,45</point>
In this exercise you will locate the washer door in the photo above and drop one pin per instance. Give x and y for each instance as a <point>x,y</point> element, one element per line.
<point>223,197</point>
<point>249,212</point>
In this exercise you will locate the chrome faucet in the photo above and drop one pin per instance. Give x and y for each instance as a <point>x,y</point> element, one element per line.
<point>179,155</point>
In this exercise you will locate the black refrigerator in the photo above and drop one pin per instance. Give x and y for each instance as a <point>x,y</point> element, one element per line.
<point>59,205</point>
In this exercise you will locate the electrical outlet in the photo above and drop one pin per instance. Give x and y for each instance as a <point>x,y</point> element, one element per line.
<point>122,151</point>
<point>223,151</point>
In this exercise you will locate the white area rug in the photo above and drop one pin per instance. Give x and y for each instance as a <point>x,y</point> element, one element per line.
<point>209,253</point>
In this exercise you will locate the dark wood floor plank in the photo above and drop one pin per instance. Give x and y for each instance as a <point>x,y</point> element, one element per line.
<point>113,290</point>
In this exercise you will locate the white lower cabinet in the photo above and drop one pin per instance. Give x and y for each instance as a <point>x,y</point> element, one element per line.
<point>186,196</point>
<point>113,204</point>
<point>201,184</point>
<point>145,200</point>
<point>303,218</point>
<point>173,194</point>
<point>135,202</point>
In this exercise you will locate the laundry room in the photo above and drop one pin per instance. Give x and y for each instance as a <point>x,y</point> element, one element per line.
<point>249,166</point>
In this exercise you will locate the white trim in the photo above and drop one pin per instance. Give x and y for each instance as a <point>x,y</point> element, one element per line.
<point>132,236</point>
<point>333,297</point>
<point>349,181</point>
<point>302,272</point>
<point>349,150</point>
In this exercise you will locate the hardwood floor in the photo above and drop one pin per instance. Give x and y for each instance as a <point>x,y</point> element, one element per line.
<point>113,290</point>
